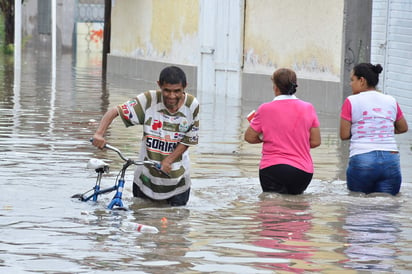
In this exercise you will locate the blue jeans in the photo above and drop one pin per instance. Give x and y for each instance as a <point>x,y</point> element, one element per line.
<point>375,171</point>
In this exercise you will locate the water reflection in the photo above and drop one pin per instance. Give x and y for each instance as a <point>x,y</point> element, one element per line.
<point>372,233</point>
<point>285,221</point>
<point>228,225</point>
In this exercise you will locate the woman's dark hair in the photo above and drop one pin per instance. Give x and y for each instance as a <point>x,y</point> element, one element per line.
<point>172,75</point>
<point>369,72</point>
<point>285,80</point>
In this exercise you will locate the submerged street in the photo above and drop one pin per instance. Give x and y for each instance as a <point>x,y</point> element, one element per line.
<point>228,226</point>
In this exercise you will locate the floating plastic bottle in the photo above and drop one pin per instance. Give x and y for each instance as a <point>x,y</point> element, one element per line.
<point>141,228</point>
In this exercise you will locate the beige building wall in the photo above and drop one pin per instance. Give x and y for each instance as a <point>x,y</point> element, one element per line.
<point>157,30</point>
<point>320,39</point>
<point>303,35</point>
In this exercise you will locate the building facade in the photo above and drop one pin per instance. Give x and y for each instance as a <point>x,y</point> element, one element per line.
<point>231,47</point>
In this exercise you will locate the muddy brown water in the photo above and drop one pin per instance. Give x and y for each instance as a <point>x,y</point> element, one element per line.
<point>228,226</point>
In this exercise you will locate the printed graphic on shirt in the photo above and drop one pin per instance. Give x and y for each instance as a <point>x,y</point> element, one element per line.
<point>375,124</point>
<point>184,125</point>
<point>126,113</point>
<point>156,125</point>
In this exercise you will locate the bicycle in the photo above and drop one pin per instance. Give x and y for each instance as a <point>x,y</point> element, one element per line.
<point>101,167</point>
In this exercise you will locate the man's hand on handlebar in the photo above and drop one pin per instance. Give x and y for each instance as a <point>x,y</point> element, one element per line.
<point>98,141</point>
<point>166,166</point>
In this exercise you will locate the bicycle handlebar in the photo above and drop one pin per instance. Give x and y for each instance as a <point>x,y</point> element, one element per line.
<point>127,159</point>
<point>116,150</point>
<point>124,158</point>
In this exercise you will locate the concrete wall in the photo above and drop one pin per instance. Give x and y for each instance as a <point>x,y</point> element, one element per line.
<point>357,38</point>
<point>321,40</point>
<point>303,35</point>
<point>124,68</point>
<point>158,30</point>
<point>306,36</point>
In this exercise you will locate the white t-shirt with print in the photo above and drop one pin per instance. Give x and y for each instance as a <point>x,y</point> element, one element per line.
<point>372,115</point>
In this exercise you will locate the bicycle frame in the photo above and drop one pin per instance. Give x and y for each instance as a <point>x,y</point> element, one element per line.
<point>117,199</point>
<point>100,168</point>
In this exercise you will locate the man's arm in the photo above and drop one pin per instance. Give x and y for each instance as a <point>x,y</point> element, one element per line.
<point>98,137</point>
<point>169,160</point>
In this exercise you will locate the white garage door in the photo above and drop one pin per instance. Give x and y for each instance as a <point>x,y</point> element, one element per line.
<point>392,47</point>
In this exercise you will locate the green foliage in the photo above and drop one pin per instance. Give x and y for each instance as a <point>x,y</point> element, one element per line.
<point>7,27</point>
<point>7,49</point>
<point>6,9</point>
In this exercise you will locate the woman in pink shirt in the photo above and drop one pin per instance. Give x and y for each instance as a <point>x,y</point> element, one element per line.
<point>288,128</point>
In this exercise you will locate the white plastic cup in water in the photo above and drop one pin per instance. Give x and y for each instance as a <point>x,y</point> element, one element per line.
<point>142,228</point>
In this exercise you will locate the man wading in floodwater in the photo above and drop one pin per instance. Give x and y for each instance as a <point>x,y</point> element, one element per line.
<point>170,119</point>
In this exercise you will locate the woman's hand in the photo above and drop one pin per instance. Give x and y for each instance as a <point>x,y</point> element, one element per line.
<point>252,137</point>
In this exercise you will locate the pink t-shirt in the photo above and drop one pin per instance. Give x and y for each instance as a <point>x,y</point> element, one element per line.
<point>285,124</point>
<point>372,115</point>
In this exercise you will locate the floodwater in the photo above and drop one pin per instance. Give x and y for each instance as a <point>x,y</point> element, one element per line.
<point>228,226</point>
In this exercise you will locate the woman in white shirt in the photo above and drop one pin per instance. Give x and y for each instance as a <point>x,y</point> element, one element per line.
<point>370,119</point>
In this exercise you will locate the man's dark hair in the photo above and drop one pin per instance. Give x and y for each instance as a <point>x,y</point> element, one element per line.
<point>172,75</point>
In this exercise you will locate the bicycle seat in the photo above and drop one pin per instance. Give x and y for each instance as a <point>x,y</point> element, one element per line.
<point>95,163</point>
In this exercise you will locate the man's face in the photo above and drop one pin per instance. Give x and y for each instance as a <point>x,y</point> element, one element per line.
<point>173,95</point>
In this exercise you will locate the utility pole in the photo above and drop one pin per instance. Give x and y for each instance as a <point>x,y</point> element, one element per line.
<point>106,33</point>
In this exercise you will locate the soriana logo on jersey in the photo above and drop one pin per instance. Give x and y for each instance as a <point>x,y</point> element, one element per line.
<point>156,125</point>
